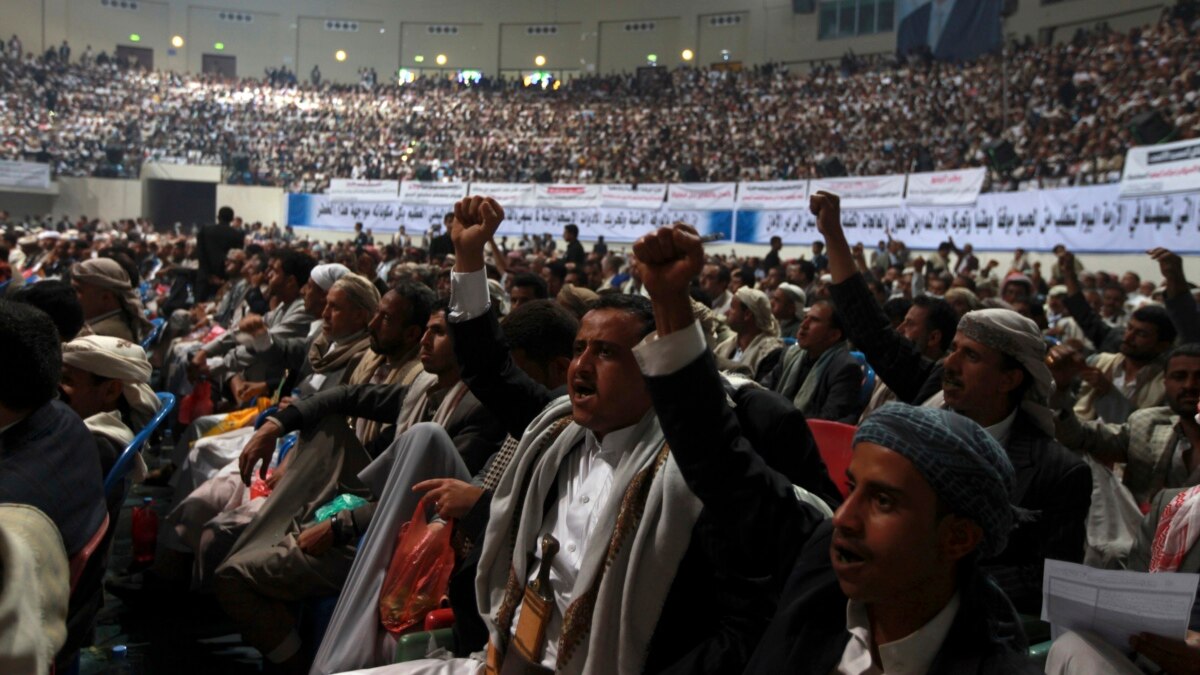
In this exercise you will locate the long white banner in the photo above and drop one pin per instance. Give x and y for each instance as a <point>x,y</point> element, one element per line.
<point>24,175</point>
<point>507,194</point>
<point>1161,169</point>
<point>348,190</point>
<point>1088,219</point>
<point>430,193</point>
<point>701,196</point>
<point>642,196</point>
<point>945,188</point>
<point>863,192</point>
<point>578,196</point>
<point>773,195</point>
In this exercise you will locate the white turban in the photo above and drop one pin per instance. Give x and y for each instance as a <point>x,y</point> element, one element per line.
<point>1008,332</point>
<point>325,275</point>
<point>760,306</point>
<point>799,298</point>
<point>117,359</point>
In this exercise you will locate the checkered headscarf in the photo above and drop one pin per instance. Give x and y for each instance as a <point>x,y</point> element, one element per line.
<point>963,464</point>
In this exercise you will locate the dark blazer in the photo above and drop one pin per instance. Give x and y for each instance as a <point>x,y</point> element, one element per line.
<point>575,254</point>
<point>1103,336</point>
<point>212,243</point>
<point>808,633</point>
<point>49,460</point>
<point>838,394</point>
<point>1052,484</point>
<point>714,609</point>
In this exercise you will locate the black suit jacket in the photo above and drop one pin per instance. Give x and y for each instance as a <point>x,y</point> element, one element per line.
<point>808,633</point>
<point>1052,484</point>
<point>212,244</point>
<point>718,602</point>
<point>838,396</point>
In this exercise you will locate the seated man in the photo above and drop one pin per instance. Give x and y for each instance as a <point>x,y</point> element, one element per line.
<point>269,567</point>
<point>105,380</point>
<point>756,340</point>
<point>1117,384</point>
<point>817,373</point>
<point>787,304</point>
<point>1155,444</point>
<point>617,594</point>
<point>931,324</point>
<point>110,301</point>
<point>48,459</point>
<point>57,299</point>
<point>995,375</point>
<point>929,499</point>
<point>1162,546</point>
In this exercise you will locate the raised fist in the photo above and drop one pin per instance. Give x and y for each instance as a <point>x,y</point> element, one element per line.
<point>476,220</point>
<point>827,207</point>
<point>668,260</point>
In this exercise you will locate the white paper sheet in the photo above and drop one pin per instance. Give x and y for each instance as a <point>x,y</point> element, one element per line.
<point>1116,604</point>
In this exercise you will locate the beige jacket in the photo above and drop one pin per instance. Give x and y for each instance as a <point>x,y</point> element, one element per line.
<point>1146,441</point>
<point>1114,407</point>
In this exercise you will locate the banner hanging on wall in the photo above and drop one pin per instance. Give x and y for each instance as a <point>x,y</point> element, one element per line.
<point>507,194</point>
<point>773,195</point>
<point>568,196</point>
<point>345,189</point>
<point>864,192</point>
<point>643,196</point>
<point>945,188</point>
<point>430,193</point>
<point>1161,169</point>
<point>701,196</point>
<point>24,175</point>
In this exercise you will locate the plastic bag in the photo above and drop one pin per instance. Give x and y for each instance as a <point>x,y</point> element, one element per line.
<point>196,404</point>
<point>238,419</point>
<point>343,502</point>
<point>419,572</point>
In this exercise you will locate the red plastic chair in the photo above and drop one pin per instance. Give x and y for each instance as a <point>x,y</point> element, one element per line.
<point>79,561</point>
<point>835,442</point>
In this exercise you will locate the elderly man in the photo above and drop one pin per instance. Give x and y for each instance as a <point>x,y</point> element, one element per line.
<point>110,302</point>
<point>106,381</point>
<point>787,305</point>
<point>995,374</point>
<point>818,373</point>
<point>756,341</point>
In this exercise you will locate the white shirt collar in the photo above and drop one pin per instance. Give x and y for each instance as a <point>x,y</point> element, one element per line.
<point>616,444</point>
<point>910,655</point>
<point>1001,430</point>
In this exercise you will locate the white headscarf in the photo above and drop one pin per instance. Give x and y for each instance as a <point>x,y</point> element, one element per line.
<point>117,359</point>
<point>798,296</point>
<point>325,275</point>
<point>760,306</point>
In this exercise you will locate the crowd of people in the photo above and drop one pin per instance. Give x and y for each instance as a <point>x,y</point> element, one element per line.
<point>1069,106</point>
<point>618,443</point>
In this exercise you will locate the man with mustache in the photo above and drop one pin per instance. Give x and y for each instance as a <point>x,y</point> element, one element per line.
<point>1157,445</point>
<point>994,374</point>
<point>892,583</point>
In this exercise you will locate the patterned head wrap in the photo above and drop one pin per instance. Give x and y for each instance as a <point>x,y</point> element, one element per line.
<point>108,274</point>
<point>963,464</point>
<point>798,296</point>
<point>1006,331</point>
<point>760,306</point>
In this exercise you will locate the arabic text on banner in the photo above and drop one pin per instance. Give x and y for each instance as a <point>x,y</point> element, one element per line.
<point>701,196</point>
<point>773,195</point>
<point>945,188</point>
<point>863,192</point>
<point>507,194</point>
<point>568,196</point>
<point>1161,169</point>
<point>24,175</point>
<point>430,193</point>
<point>345,189</point>
<point>642,196</point>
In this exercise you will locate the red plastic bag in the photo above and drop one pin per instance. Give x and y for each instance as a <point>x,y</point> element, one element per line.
<point>196,404</point>
<point>419,573</point>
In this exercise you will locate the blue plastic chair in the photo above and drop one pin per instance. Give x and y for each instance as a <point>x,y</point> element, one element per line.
<point>262,416</point>
<point>116,475</point>
<point>155,333</point>
<point>868,384</point>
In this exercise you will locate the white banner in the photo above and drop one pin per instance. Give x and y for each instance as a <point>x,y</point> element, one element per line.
<point>1086,219</point>
<point>25,175</point>
<point>432,194</point>
<point>773,195</point>
<point>863,192</point>
<point>1161,169</point>
<point>507,194</point>
<point>643,196</point>
<point>945,188</point>
<point>620,225</point>
<point>701,196</point>
<point>347,190</point>
<point>568,196</point>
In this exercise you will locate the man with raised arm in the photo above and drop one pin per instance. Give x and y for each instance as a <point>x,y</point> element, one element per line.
<point>994,374</point>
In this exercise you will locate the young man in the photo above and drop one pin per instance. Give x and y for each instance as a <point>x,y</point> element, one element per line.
<point>757,333</point>
<point>817,373</point>
<point>892,584</point>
